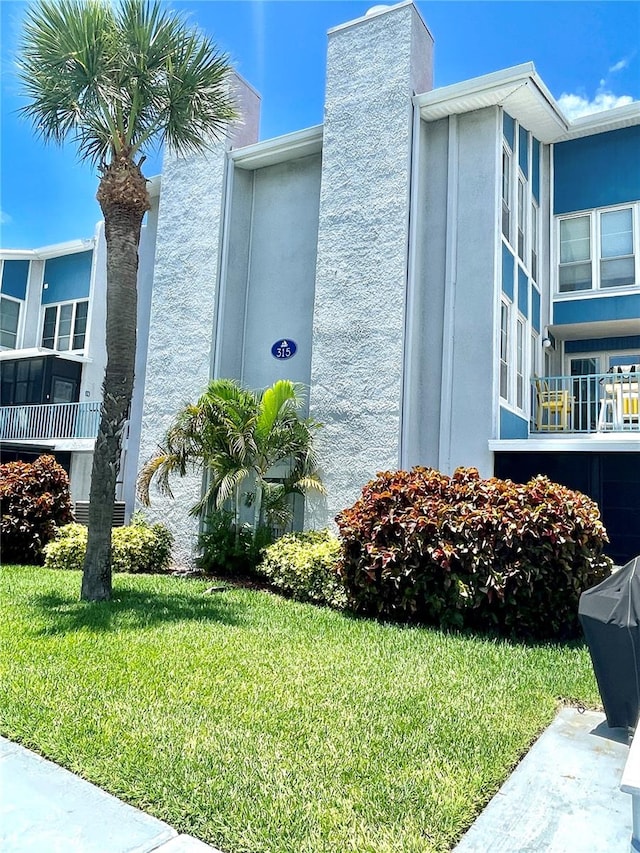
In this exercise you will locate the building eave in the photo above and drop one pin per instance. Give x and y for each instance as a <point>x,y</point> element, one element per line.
<point>291,146</point>
<point>523,94</point>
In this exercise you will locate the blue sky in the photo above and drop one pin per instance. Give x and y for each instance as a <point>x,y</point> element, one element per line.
<point>587,53</point>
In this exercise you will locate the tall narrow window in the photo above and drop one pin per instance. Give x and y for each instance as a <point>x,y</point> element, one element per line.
<point>521,217</point>
<point>575,254</point>
<point>534,241</point>
<point>9,319</point>
<point>617,262</point>
<point>506,193</point>
<point>520,362</point>
<point>504,350</point>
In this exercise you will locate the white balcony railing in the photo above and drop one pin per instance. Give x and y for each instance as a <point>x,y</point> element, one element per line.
<point>599,402</point>
<point>52,421</point>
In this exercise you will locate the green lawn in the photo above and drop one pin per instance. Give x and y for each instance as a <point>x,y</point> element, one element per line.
<point>262,725</point>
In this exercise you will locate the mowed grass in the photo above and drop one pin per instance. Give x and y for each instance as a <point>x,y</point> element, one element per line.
<point>262,725</point>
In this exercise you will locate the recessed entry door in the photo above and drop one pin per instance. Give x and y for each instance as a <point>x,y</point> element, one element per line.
<point>63,390</point>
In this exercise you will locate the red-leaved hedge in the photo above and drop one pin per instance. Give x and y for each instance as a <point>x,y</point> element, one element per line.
<point>35,501</point>
<point>465,552</point>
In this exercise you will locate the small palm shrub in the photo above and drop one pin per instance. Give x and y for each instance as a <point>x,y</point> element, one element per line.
<point>227,549</point>
<point>305,566</point>
<point>465,552</point>
<point>34,502</point>
<point>137,547</point>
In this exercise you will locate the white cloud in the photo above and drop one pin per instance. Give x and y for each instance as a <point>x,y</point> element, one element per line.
<point>5,219</point>
<point>575,106</point>
<point>623,63</point>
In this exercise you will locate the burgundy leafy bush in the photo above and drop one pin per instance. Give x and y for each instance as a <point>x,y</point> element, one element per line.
<point>465,552</point>
<point>35,501</point>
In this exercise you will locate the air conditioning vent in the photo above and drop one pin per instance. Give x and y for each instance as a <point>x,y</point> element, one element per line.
<point>82,513</point>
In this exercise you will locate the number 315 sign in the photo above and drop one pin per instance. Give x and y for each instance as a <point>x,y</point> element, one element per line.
<point>283,349</point>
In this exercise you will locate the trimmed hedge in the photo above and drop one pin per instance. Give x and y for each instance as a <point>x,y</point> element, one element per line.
<point>305,566</point>
<point>465,552</point>
<point>137,547</point>
<point>34,502</point>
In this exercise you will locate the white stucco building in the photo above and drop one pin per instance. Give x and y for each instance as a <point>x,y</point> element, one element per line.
<point>430,252</point>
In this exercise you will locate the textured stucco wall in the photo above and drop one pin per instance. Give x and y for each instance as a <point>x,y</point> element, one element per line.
<point>374,66</point>
<point>183,306</point>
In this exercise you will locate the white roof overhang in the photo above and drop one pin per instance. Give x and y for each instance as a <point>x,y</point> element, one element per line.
<point>524,96</point>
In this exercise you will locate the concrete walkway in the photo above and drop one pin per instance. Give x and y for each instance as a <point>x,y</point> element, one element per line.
<point>46,809</point>
<point>563,797</point>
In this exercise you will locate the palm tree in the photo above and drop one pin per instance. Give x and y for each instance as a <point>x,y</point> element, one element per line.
<point>236,436</point>
<point>117,79</point>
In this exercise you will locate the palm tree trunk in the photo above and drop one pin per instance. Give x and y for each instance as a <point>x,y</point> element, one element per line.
<point>122,232</point>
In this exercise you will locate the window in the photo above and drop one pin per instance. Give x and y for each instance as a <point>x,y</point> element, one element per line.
<point>65,326</point>
<point>534,241</point>
<point>9,319</point>
<point>617,264</point>
<point>506,192</point>
<point>504,350</point>
<point>575,254</point>
<point>520,362</point>
<point>521,217</point>
<point>598,250</point>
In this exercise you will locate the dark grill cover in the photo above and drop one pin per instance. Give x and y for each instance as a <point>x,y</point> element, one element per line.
<point>610,617</point>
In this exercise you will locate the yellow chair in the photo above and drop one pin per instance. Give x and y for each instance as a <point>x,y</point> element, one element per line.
<point>556,404</point>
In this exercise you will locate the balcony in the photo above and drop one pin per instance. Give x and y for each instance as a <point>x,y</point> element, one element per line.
<point>595,404</point>
<point>71,422</point>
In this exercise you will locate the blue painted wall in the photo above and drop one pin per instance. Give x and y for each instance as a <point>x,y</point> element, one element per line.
<point>593,310</point>
<point>597,170</point>
<point>523,292</point>
<point>68,277</point>
<point>599,344</point>
<point>14,278</point>
<point>512,425</point>
<point>535,308</point>
<point>508,263</point>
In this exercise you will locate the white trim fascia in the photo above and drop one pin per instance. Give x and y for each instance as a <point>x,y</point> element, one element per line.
<point>78,445</point>
<point>35,352</point>
<point>57,250</point>
<point>290,146</point>
<point>497,279</point>
<point>592,443</point>
<point>605,120</point>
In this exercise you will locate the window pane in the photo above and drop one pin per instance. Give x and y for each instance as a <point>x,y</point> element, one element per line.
<point>617,272</point>
<point>504,350</point>
<point>9,316</point>
<point>575,243</point>
<point>49,328</point>
<point>575,277</point>
<point>80,325</point>
<point>64,327</point>
<point>616,233</point>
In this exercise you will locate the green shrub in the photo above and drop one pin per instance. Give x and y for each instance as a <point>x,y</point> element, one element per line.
<point>305,565</point>
<point>137,547</point>
<point>227,550</point>
<point>462,551</point>
<point>34,502</point>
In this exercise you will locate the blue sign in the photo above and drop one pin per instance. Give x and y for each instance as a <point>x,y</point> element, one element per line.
<point>283,349</point>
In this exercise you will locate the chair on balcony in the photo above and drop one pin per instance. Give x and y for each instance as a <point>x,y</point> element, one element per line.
<point>554,407</point>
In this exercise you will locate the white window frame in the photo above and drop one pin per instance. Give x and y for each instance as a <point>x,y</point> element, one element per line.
<point>595,235</point>
<point>20,303</point>
<point>56,337</point>
<point>506,336</point>
<point>534,248</point>
<point>520,361</point>
<point>522,203</point>
<point>506,204</point>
